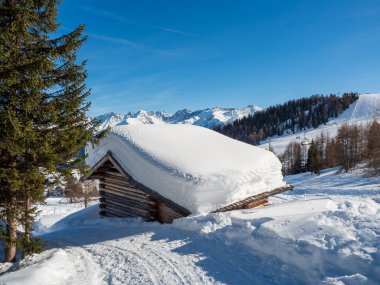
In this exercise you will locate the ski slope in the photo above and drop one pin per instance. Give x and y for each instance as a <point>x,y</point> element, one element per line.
<point>327,231</point>
<point>362,111</point>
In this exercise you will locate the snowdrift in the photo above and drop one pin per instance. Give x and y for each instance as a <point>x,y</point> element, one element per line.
<point>194,167</point>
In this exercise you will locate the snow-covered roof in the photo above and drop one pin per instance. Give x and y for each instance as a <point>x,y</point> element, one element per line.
<point>195,167</point>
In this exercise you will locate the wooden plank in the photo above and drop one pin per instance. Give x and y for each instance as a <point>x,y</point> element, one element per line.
<point>126,202</point>
<point>127,194</point>
<point>124,187</point>
<point>121,213</point>
<point>133,210</point>
<point>112,178</point>
<point>123,191</point>
<point>114,173</point>
<point>255,204</point>
<point>124,212</point>
<point>255,198</point>
<point>167,211</point>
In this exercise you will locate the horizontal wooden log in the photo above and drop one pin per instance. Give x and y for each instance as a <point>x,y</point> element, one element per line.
<point>113,178</point>
<point>168,212</point>
<point>125,212</point>
<point>123,188</point>
<point>123,191</point>
<point>128,209</point>
<point>114,173</point>
<point>121,213</point>
<point>128,202</point>
<point>127,196</point>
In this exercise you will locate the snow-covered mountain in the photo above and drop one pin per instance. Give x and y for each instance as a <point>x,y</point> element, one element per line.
<point>208,118</point>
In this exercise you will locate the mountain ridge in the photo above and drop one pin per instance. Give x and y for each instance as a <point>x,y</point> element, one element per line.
<point>209,117</point>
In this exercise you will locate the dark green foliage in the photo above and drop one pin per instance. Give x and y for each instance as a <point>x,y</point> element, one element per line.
<point>43,106</point>
<point>292,116</point>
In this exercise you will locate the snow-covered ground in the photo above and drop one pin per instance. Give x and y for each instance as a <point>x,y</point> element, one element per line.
<point>327,231</point>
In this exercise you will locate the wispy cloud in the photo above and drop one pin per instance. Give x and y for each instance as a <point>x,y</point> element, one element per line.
<point>105,13</point>
<point>172,31</point>
<point>132,44</point>
<point>117,40</point>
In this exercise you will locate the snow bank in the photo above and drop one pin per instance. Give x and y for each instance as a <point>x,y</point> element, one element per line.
<point>303,242</point>
<point>54,267</point>
<point>197,168</point>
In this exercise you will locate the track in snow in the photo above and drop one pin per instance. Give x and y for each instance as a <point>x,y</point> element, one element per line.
<point>137,258</point>
<point>142,261</point>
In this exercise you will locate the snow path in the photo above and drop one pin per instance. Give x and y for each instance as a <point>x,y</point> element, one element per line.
<point>137,259</point>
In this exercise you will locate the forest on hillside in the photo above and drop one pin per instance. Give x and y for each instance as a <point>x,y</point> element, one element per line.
<point>289,117</point>
<point>354,145</point>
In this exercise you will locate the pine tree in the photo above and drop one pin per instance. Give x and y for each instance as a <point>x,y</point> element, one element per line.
<point>43,107</point>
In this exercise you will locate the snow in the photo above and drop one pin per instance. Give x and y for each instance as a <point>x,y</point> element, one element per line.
<point>326,231</point>
<point>209,118</point>
<point>196,168</point>
<point>362,111</point>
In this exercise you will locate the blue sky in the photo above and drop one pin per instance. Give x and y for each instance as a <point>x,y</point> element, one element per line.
<point>173,54</point>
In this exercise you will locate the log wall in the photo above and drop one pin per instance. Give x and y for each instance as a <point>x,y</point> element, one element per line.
<point>122,197</point>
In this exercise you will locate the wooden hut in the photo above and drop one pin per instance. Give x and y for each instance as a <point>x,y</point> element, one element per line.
<point>122,196</point>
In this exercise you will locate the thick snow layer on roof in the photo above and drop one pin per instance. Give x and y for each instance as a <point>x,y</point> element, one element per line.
<point>194,167</point>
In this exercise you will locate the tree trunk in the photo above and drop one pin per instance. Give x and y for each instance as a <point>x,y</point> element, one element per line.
<point>85,201</point>
<point>26,238</point>
<point>11,237</point>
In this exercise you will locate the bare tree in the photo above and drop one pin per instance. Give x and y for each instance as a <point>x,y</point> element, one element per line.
<point>77,191</point>
<point>373,146</point>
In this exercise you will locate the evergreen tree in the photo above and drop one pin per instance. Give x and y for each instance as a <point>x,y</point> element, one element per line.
<point>43,106</point>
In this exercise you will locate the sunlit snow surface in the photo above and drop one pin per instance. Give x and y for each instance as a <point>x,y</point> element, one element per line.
<point>324,232</point>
